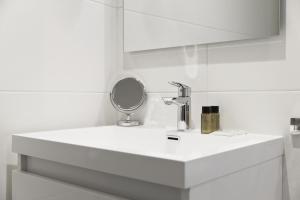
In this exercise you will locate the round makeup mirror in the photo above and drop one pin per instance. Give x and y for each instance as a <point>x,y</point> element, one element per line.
<point>127,96</point>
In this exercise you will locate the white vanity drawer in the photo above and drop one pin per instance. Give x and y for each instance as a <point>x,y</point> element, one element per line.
<point>28,186</point>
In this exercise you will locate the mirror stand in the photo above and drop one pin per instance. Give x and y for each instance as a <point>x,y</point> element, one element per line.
<point>128,122</point>
<point>127,96</point>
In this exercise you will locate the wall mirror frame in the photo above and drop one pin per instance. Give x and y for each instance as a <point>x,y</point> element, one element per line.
<point>157,24</point>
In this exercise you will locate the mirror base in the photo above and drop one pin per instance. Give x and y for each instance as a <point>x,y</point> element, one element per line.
<point>128,123</point>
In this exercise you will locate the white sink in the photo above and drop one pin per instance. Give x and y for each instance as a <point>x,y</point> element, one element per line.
<point>147,155</point>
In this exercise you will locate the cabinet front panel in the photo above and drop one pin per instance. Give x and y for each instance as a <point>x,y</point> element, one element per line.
<point>32,187</point>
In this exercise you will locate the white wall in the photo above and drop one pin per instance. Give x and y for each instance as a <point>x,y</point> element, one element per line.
<point>56,59</point>
<point>256,83</point>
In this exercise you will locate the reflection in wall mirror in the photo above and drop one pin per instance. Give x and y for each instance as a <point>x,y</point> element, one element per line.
<point>127,96</point>
<point>155,24</point>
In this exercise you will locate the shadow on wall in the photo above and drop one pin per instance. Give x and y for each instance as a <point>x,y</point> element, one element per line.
<point>9,170</point>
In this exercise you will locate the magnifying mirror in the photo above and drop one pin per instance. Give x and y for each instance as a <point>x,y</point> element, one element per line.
<point>127,96</point>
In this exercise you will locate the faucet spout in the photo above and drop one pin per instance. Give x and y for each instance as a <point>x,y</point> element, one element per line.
<point>168,100</point>
<point>179,101</point>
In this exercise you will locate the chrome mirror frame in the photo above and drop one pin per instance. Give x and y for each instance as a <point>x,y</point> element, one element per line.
<point>128,122</point>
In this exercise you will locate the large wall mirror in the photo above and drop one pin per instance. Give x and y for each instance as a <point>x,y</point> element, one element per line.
<point>155,24</point>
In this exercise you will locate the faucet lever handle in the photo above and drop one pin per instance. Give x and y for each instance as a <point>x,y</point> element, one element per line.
<point>183,90</point>
<point>177,84</point>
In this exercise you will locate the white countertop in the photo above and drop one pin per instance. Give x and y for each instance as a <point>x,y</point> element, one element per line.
<point>151,142</point>
<point>120,150</point>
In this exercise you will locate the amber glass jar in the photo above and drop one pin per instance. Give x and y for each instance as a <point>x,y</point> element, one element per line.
<point>206,120</point>
<point>215,118</point>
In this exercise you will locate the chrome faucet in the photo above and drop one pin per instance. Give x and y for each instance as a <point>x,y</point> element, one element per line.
<point>183,101</point>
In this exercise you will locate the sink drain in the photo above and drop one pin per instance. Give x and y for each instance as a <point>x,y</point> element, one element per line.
<point>173,137</point>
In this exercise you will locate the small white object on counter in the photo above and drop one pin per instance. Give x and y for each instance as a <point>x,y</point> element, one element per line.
<point>144,148</point>
<point>230,133</point>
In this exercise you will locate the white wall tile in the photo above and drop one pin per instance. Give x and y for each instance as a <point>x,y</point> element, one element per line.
<point>257,76</point>
<point>250,65</point>
<point>63,45</point>
<point>262,112</point>
<point>247,51</point>
<point>156,68</point>
<point>50,110</point>
<point>258,65</point>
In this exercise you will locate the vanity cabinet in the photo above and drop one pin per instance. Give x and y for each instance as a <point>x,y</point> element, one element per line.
<point>154,24</point>
<point>117,163</point>
<point>261,182</point>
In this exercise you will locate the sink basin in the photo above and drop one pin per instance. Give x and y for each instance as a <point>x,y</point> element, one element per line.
<point>148,155</point>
